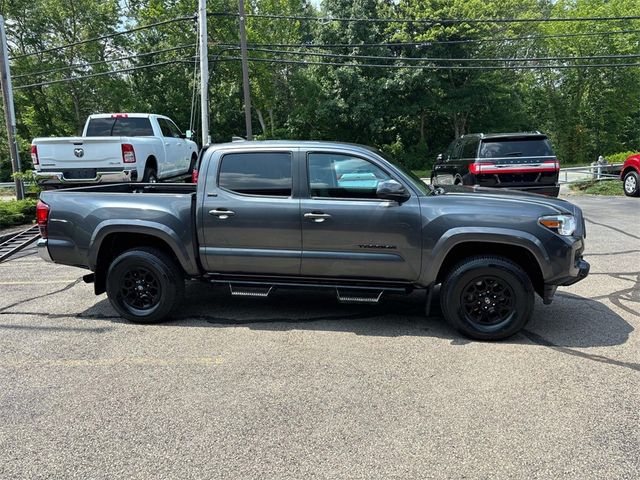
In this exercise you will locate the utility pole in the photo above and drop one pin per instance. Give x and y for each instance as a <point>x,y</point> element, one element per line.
<point>245,71</point>
<point>204,71</point>
<point>9,111</point>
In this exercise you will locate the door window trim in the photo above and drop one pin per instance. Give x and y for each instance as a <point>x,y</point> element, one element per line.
<point>252,195</point>
<point>349,154</point>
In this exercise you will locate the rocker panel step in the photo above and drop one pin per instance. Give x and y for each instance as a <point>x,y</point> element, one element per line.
<point>358,296</point>
<point>250,290</point>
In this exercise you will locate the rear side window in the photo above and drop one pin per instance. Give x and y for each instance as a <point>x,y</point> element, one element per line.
<point>470,149</point>
<point>119,127</point>
<point>265,174</point>
<point>506,148</point>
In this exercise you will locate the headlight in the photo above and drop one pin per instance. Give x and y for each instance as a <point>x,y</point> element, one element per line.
<point>562,224</point>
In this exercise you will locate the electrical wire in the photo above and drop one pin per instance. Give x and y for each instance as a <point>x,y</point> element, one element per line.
<point>427,43</point>
<point>101,74</point>
<point>444,21</point>
<point>439,59</point>
<point>102,37</point>
<point>434,67</point>
<point>111,60</point>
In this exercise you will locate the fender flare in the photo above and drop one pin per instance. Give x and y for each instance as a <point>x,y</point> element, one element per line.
<point>433,261</point>
<point>157,230</point>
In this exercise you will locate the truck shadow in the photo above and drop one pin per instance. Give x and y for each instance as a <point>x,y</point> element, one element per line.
<point>571,321</point>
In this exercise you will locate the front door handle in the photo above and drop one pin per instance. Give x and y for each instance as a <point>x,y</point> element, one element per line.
<point>317,217</point>
<point>222,214</point>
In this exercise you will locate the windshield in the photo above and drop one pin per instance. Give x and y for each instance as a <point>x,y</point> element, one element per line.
<point>415,180</point>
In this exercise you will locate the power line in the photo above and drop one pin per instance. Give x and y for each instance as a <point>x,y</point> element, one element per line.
<point>112,72</point>
<point>435,67</point>
<point>444,21</point>
<point>441,59</point>
<point>110,60</point>
<point>427,43</point>
<point>102,37</point>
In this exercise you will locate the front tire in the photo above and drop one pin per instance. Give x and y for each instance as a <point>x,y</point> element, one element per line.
<point>631,184</point>
<point>487,298</point>
<point>144,285</point>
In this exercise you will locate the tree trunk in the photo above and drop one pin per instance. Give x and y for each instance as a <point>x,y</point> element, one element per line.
<point>272,122</point>
<point>261,120</point>
<point>422,116</point>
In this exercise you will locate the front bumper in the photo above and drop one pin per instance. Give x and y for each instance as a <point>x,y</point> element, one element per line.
<point>43,250</point>
<point>578,270</point>
<point>58,178</point>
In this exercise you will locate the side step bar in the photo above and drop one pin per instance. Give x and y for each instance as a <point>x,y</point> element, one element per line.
<point>358,296</point>
<point>250,290</point>
<point>343,294</point>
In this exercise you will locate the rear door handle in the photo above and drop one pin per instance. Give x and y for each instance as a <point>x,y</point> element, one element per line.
<point>317,217</point>
<point>221,213</point>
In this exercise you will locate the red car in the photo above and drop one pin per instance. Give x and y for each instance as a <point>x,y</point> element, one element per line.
<point>631,176</point>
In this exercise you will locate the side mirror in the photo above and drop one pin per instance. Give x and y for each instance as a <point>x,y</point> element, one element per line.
<point>439,158</point>
<point>188,135</point>
<point>392,190</point>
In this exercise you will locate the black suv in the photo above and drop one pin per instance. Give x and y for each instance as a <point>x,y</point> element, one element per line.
<point>521,161</point>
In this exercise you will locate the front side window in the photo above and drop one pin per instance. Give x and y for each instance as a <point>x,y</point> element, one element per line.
<point>265,174</point>
<point>343,176</point>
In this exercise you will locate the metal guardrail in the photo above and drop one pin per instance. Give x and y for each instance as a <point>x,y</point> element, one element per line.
<point>7,185</point>
<point>591,172</point>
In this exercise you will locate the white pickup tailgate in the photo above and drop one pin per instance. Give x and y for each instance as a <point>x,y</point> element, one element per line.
<point>79,152</point>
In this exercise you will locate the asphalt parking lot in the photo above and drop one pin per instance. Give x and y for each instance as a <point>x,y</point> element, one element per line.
<point>298,386</point>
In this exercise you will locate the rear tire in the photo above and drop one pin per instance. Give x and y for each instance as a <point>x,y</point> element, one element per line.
<point>150,175</point>
<point>144,285</point>
<point>631,184</point>
<point>487,298</point>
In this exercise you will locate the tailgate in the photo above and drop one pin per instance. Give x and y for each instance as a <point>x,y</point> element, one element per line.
<point>516,161</point>
<point>524,170</point>
<point>74,154</point>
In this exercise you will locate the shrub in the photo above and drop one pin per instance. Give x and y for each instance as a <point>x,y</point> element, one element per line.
<point>619,157</point>
<point>17,212</point>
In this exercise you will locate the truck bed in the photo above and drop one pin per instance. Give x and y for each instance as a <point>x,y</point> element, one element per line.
<point>83,217</point>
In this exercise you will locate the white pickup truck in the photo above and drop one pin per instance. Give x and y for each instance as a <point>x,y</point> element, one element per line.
<point>116,147</point>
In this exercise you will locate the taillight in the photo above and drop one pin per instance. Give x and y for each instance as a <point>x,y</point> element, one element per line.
<point>476,168</point>
<point>128,153</point>
<point>194,176</point>
<point>42,217</point>
<point>34,155</point>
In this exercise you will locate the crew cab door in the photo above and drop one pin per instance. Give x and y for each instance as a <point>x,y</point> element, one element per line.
<point>174,147</point>
<point>346,231</point>
<point>250,220</point>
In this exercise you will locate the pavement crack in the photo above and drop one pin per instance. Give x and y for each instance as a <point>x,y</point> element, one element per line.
<point>538,340</point>
<point>60,290</point>
<point>613,228</point>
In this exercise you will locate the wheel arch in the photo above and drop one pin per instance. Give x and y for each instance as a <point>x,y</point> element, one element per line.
<point>111,240</point>
<point>527,252</point>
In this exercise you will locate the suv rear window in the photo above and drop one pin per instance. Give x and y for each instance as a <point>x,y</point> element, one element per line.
<point>514,148</point>
<point>119,127</point>
<point>266,174</point>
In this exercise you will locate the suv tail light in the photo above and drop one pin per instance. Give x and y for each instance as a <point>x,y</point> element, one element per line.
<point>42,217</point>
<point>128,153</point>
<point>479,168</point>
<point>194,176</point>
<point>34,155</point>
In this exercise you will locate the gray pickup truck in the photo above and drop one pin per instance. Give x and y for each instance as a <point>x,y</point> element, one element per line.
<point>266,215</point>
